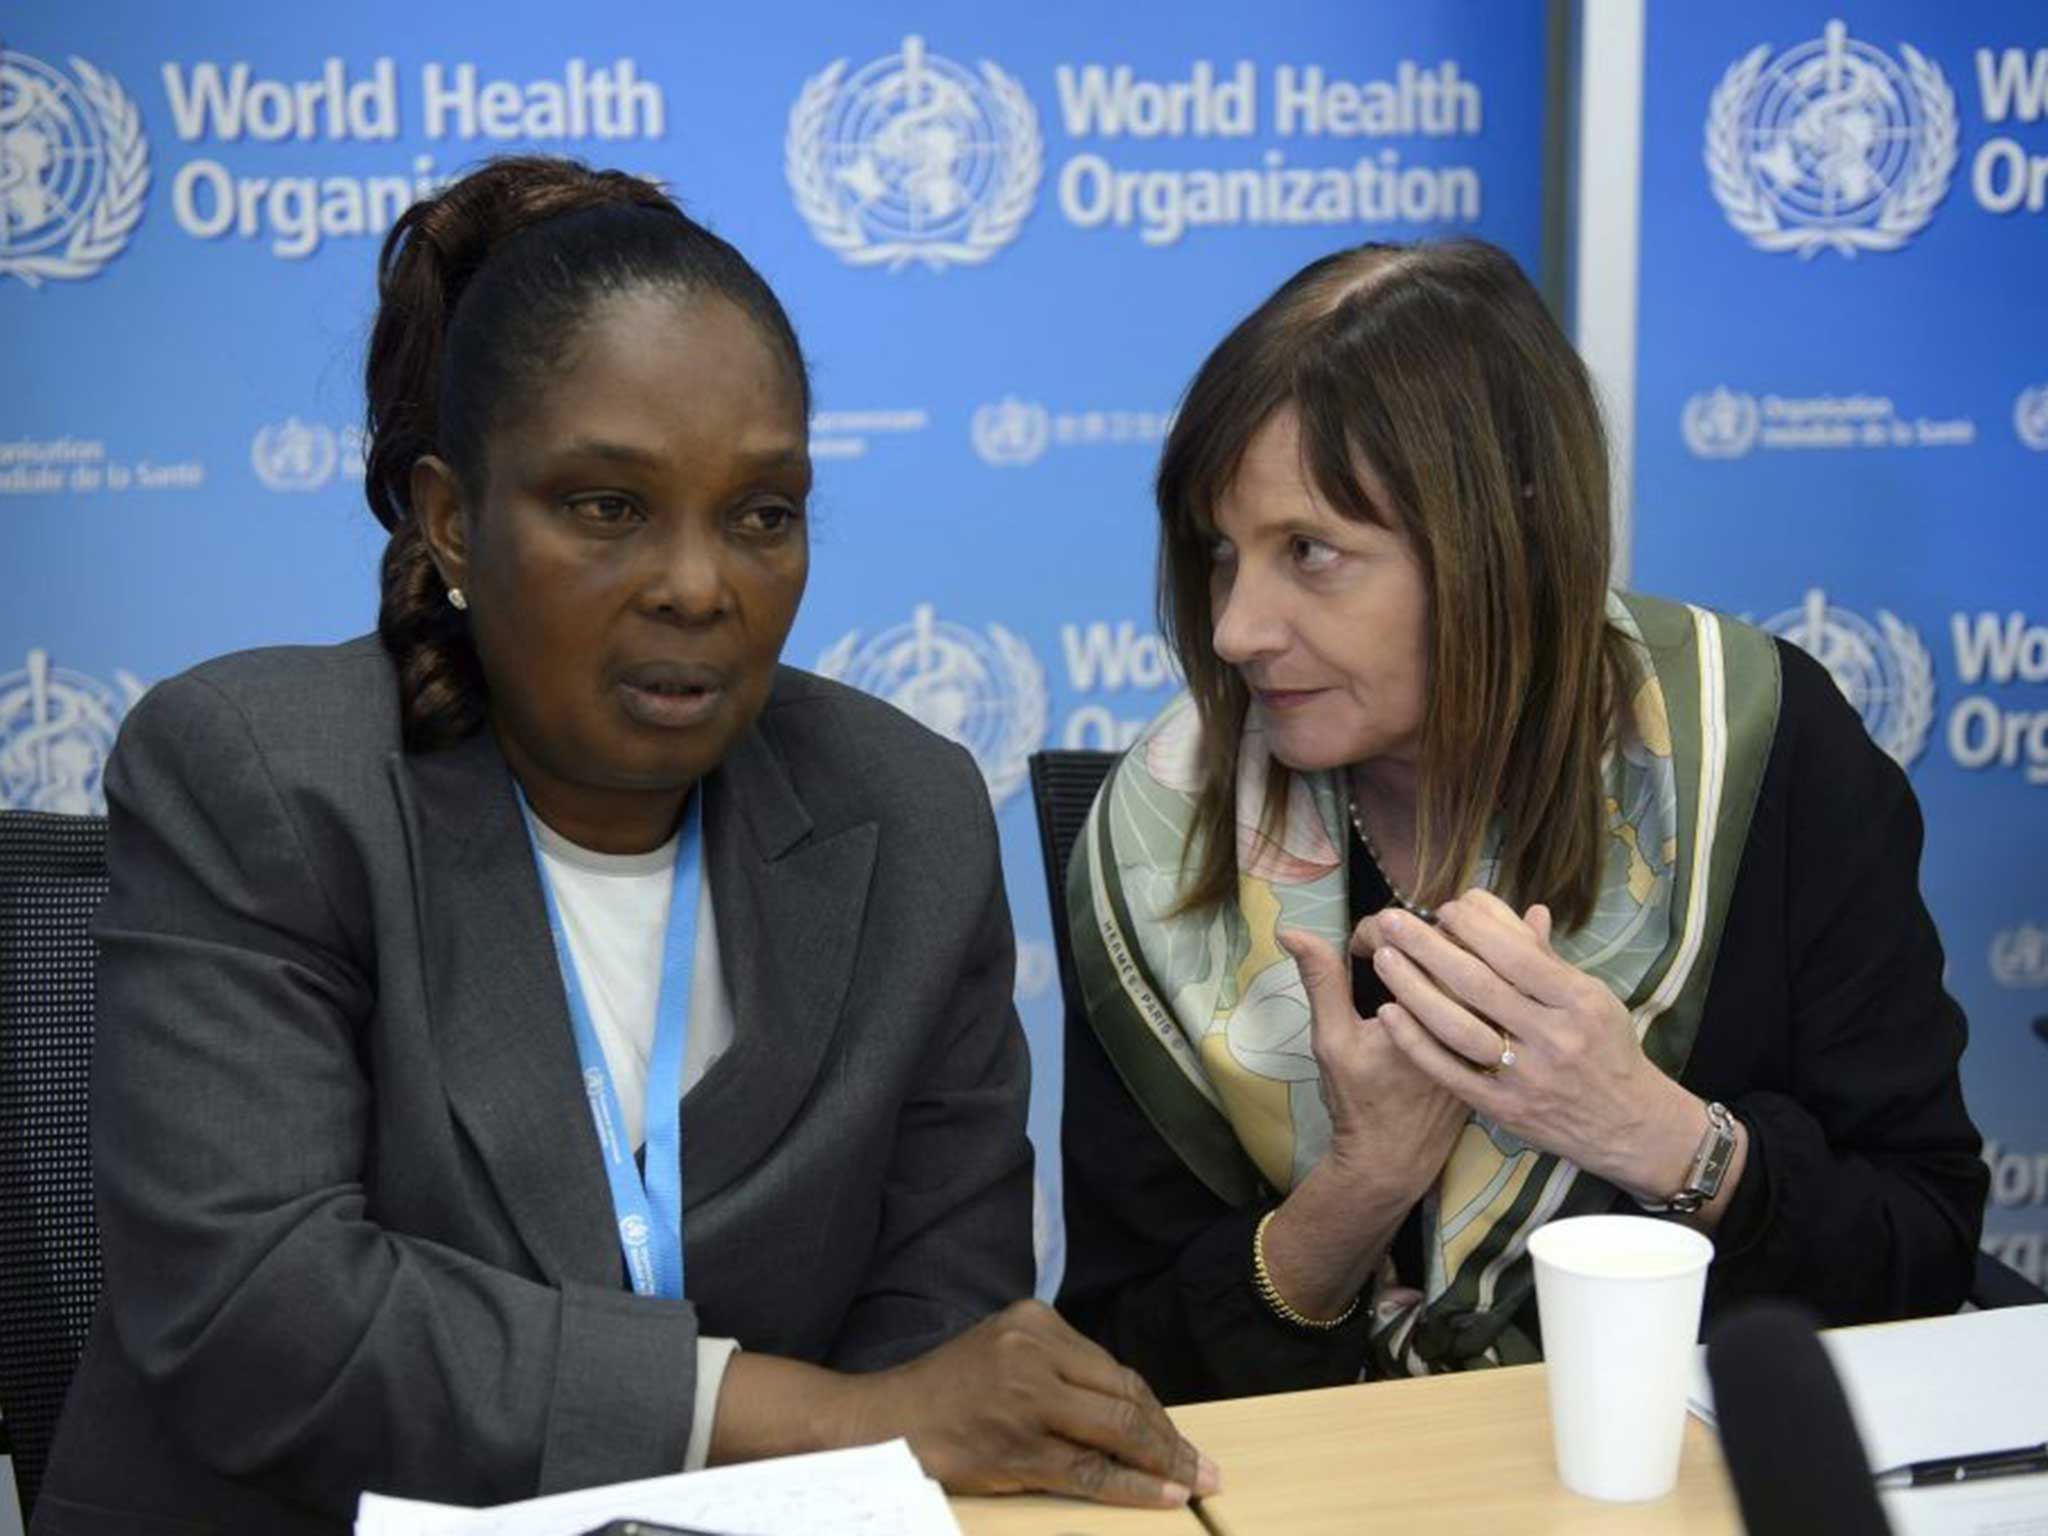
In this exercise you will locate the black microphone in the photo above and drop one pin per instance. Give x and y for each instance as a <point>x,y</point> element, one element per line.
<point>1790,1444</point>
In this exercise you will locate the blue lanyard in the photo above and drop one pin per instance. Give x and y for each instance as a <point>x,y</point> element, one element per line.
<point>649,1210</point>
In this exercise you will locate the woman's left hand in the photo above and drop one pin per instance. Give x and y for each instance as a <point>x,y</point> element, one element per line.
<point>1547,1052</point>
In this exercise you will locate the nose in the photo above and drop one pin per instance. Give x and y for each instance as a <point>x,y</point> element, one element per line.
<point>685,579</point>
<point>1247,623</point>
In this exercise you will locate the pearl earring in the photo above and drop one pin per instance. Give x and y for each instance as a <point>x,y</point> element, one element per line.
<point>457,600</point>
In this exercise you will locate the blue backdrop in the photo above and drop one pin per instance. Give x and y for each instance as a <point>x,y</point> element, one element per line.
<point>1842,430</point>
<point>1006,239</point>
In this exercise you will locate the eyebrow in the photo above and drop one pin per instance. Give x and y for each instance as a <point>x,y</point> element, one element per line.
<point>617,453</point>
<point>791,455</point>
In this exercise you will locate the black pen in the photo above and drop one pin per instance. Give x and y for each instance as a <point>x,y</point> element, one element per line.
<point>1959,1469</point>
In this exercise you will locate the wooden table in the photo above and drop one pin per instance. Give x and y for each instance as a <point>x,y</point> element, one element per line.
<point>1466,1453</point>
<point>1459,1453</point>
<point>1035,1516</point>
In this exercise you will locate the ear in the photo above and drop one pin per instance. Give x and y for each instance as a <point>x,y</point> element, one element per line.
<point>438,506</point>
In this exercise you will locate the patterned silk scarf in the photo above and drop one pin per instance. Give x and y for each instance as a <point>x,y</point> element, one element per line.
<point>1207,1022</point>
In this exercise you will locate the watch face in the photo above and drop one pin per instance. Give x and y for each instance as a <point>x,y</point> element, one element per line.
<point>1710,1167</point>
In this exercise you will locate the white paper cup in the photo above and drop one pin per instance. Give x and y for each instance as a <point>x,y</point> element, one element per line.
<point>1619,1298</point>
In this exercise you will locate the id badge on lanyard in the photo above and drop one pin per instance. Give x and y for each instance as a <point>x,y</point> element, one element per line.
<point>649,1208</point>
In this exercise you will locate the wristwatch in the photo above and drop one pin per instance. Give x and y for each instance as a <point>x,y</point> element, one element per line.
<point>1709,1166</point>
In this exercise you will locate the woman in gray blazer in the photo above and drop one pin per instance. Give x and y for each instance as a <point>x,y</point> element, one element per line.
<point>504,1016</point>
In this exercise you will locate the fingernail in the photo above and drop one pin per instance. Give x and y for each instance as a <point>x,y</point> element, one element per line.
<point>1207,1478</point>
<point>1383,958</point>
<point>1176,1493</point>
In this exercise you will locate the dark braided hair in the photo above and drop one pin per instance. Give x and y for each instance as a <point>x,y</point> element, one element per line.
<point>480,291</point>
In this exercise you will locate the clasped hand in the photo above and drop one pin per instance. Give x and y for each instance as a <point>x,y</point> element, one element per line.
<point>1486,983</point>
<point>1391,1127</point>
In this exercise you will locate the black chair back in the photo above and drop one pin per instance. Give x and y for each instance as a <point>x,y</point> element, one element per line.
<point>1997,1284</point>
<point>53,873</point>
<point>1063,786</point>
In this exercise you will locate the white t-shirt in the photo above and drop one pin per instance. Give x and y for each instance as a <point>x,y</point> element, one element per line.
<point>614,909</point>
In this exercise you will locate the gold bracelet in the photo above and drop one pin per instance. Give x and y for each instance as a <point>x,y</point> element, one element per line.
<point>1269,1293</point>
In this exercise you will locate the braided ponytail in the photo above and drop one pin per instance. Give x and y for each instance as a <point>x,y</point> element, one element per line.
<point>479,289</point>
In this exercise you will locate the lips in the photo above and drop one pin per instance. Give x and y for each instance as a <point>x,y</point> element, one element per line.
<point>1287,698</point>
<point>672,695</point>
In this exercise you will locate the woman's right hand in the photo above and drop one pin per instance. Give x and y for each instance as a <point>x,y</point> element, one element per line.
<point>1022,1403</point>
<point>1391,1126</point>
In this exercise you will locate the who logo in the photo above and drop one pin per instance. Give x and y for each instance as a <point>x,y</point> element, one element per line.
<point>2019,956</point>
<point>1719,424</point>
<point>984,691</point>
<point>1883,670</point>
<point>295,455</point>
<point>56,728</point>
<point>912,158</point>
<point>1010,433</point>
<point>2030,417</point>
<point>74,168</point>
<point>1831,145</point>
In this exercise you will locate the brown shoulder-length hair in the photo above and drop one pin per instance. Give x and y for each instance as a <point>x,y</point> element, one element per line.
<point>1438,366</point>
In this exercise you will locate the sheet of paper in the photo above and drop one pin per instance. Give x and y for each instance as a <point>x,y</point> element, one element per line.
<point>876,1490</point>
<point>1935,1386</point>
<point>1999,1506</point>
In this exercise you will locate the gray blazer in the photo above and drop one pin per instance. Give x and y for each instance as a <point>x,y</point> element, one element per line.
<point>357,1229</point>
